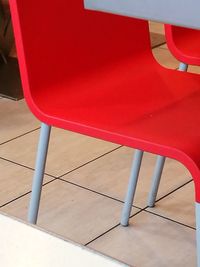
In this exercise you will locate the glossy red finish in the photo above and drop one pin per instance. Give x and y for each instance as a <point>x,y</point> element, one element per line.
<point>94,73</point>
<point>184,44</point>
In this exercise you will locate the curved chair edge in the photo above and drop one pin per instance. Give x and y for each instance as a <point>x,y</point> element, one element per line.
<point>190,163</point>
<point>175,51</point>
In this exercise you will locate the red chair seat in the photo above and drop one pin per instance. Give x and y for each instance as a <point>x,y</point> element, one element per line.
<point>154,118</point>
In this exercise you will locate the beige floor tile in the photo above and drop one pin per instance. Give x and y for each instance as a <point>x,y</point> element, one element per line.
<point>109,175</point>
<point>194,69</point>
<point>178,206</point>
<point>156,39</point>
<point>70,211</point>
<point>156,27</point>
<point>15,119</point>
<point>67,150</point>
<point>14,181</point>
<point>164,46</point>
<point>150,241</point>
<point>165,58</point>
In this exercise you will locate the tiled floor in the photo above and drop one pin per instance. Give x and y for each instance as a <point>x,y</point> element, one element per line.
<point>84,188</point>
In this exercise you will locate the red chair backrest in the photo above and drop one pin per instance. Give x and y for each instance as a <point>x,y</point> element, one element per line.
<point>59,39</point>
<point>184,43</point>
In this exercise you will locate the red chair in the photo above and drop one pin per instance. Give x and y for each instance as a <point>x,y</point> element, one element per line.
<point>184,44</point>
<point>95,74</point>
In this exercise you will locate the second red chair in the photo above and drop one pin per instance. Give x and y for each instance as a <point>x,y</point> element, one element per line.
<point>184,44</point>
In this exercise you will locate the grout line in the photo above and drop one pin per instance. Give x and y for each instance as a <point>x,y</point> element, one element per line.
<point>158,45</point>
<point>109,230</point>
<point>60,177</point>
<point>140,211</point>
<point>119,200</point>
<point>104,233</point>
<point>98,193</point>
<point>16,163</point>
<point>174,190</point>
<point>115,226</point>
<point>27,167</point>
<point>25,194</point>
<point>90,161</point>
<point>169,219</point>
<point>14,138</point>
<point>144,209</point>
<point>30,168</point>
<point>93,191</point>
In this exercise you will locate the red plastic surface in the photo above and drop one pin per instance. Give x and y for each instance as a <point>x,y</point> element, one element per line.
<point>184,44</point>
<point>94,73</point>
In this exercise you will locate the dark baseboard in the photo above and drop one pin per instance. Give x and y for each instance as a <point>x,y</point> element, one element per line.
<point>10,82</point>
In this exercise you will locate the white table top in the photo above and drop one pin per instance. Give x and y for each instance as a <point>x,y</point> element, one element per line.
<point>177,12</point>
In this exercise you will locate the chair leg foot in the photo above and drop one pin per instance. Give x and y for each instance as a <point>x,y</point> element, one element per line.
<point>183,67</point>
<point>198,232</point>
<point>156,181</point>
<point>131,187</point>
<point>39,173</point>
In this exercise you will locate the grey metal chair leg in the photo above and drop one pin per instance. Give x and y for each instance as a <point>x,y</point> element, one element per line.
<point>156,180</point>
<point>198,232</point>
<point>39,173</point>
<point>131,187</point>
<point>183,67</point>
<point>160,164</point>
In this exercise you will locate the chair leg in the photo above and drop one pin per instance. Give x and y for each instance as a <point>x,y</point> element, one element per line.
<point>183,67</point>
<point>131,187</point>
<point>198,232</point>
<point>160,164</point>
<point>39,173</point>
<point>156,181</point>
